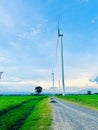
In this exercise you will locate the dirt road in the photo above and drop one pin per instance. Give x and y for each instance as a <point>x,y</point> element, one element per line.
<point>67,116</point>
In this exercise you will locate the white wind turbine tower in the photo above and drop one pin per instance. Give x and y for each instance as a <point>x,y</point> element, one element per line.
<point>52,81</point>
<point>1,74</point>
<point>60,36</point>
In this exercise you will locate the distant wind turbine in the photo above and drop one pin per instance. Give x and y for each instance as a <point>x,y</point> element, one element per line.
<point>52,81</point>
<point>1,74</point>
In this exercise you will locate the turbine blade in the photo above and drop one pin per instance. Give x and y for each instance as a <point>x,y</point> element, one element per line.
<point>57,47</point>
<point>58,29</point>
<point>58,38</point>
<point>59,26</point>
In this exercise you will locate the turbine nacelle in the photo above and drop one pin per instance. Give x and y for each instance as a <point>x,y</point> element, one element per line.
<point>60,35</point>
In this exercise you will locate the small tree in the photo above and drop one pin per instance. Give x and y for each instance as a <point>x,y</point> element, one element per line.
<point>89,92</point>
<point>38,89</point>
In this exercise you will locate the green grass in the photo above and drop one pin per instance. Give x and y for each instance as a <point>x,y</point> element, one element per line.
<point>40,118</point>
<point>28,115</point>
<point>8,102</point>
<point>90,101</point>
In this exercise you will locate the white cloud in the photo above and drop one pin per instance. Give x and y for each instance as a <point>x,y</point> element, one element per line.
<point>4,59</point>
<point>30,33</point>
<point>6,20</point>
<point>21,86</point>
<point>94,20</point>
<point>15,45</point>
<point>83,0</point>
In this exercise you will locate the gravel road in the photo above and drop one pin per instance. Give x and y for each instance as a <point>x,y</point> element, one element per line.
<point>67,116</point>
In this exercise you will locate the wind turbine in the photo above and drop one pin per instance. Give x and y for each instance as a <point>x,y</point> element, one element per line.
<point>1,74</point>
<point>52,81</point>
<point>60,36</point>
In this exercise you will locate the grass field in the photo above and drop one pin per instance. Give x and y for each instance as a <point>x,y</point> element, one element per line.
<point>25,113</point>
<point>90,101</point>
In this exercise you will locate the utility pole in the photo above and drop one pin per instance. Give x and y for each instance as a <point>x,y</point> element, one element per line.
<point>62,60</point>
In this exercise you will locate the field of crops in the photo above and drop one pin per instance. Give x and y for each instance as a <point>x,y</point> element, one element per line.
<point>25,113</point>
<point>90,101</point>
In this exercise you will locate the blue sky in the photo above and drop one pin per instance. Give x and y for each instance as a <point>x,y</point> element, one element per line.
<point>28,40</point>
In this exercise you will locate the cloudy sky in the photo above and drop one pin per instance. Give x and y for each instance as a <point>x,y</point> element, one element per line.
<point>28,42</point>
